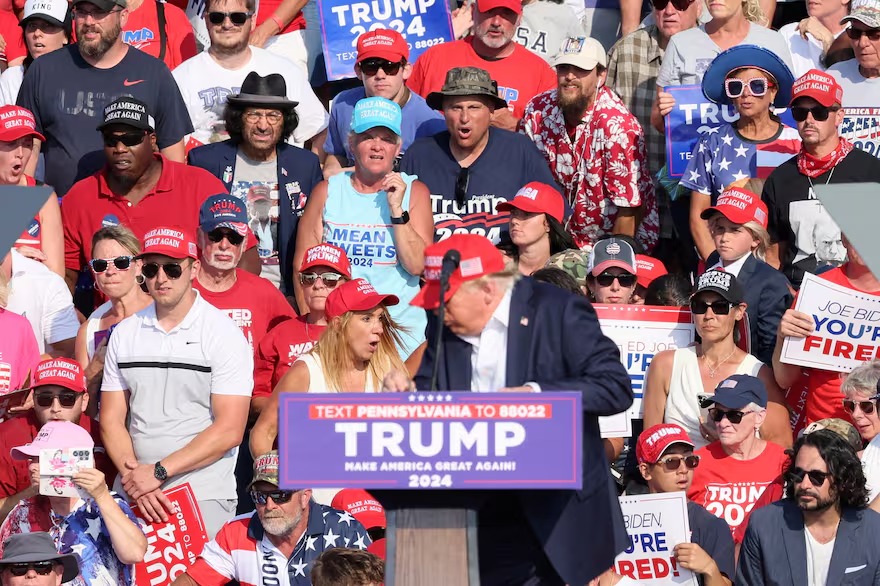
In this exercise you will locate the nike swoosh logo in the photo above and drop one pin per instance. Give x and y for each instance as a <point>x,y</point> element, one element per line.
<point>127,83</point>
<point>188,343</point>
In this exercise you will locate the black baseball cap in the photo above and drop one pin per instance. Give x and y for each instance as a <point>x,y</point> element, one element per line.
<point>129,111</point>
<point>720,282</point>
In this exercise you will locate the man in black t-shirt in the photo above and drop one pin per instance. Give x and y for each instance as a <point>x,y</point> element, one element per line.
<point>68,89</point>
<point>805,237</point>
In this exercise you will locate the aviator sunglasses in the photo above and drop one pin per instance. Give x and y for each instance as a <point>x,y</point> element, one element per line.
<point>330,279</point>
<point>234,238</point>
<point>673,463</point>
<point>172,269</point>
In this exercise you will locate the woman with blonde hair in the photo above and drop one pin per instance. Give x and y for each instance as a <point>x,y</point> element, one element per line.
<point>355,352</point>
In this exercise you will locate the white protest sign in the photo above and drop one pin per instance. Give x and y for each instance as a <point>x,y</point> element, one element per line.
<point>619,425</point>
<point>847,327</point>
<point>656,523</point>
<point>641,331</point>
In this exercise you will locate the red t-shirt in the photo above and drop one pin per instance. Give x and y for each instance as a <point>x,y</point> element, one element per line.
<point>728,488</point>
<point>279,349</point>
<point>142,32</point>
<point>521,76</point>
<point>773,492</point>
<point>253,303</point>
<point>13,35</point>
<point>22,430</point>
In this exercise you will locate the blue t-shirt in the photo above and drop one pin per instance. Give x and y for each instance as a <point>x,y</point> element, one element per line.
<point>68,96</point>
<point>713,535</point>
<point>419,120</point>
<point>509,161</point>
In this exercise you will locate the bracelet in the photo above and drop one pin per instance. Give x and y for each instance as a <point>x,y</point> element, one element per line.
<point>277,23</point>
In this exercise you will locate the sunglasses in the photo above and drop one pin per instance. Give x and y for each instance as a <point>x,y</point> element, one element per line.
<point>677,4</point>
<point>718,307</point>
<point>254,116</point>
<point>41,568</point>
<point>372,66</point>
<point>716,415</point>
<point>820,113</point>
<point>128,139</point>
<point>867,407</point>
<point>46,398</point>
<point>236,18</point>
<point>757,86</point>
<point>279,497</point>
<point>856,34</point>
<point>172,269</point>
<point>673,463</point>
<point>330,279</point>
<point>625,279</point>
<point>816,477</point>
<point>461,185</point>
<point>99,265</point>
<point>234,238</point>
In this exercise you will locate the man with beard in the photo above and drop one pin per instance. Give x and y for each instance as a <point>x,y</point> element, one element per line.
<point>520,74</point>
<point>821,533</point>
<point>595,149</point>
<point>286,534</point>
<point>137,188</point>
<point>68,90</point>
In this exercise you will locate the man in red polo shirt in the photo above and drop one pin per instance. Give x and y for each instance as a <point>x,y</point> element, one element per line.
<point>136,188</point>
<point>59,394</point>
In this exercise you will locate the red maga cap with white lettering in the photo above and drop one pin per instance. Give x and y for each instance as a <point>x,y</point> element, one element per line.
<point>17,122</point>
<point>361,505</point>
<point>818,85</point>
<point>356,295</point>
<point>173,242</point>
<point>327,255</point>
<point>62,372</point>
<point>739,206</point>
<point>536,198</point>
<point>655,440</point>
<point>382,43</point>
<point>648,268</point>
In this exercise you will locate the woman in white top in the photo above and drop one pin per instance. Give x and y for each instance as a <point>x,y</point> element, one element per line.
<point>353,355</point>
<point>677,378</point>
<point>117,275</point>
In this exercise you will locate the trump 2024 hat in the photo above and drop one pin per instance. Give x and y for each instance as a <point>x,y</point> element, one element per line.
<point>372,112</point>
<point>55,435</point>
<point>129,111</point>
<point>171,242</point>
<point>818,85</point>
<point>654,441</point>
<point>356,295</point>
<point>223,211</point>
<point>266,469</point>
<point>382,43</point>
<point>536,198</point>
<point>62,372</point>
<point>327,255</point>
<point>720,282</point>
<point>17,122</point>
<point>737,391</point>
<point>739,206</point>
<point>479,258</point>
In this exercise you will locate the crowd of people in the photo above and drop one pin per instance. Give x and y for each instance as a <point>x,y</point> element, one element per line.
<point>226,225</point>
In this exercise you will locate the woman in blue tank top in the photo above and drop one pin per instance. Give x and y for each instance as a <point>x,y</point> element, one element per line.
<point>381,219</point>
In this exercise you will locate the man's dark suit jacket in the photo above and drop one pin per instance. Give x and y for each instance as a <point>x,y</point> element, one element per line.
<point>554,339</point>
<point>774,550</point>
<point>299,171</point>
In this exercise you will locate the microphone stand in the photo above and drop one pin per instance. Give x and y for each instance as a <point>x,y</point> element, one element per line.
<point>438,342</point>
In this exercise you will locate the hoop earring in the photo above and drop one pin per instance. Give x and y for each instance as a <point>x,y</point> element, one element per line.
<point>140,279</point>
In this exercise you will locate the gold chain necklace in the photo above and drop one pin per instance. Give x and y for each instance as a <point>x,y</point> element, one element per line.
<point>713,371</point>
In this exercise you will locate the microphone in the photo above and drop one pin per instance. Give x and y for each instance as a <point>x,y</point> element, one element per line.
<point>450,262</point>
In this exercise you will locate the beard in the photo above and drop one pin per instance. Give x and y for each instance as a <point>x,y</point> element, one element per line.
<point>97,49</point>
<point>279,524</point>
<point>494,43</point>
<point>818,505</point>
<point>573,106</point>
<point>224,46</point>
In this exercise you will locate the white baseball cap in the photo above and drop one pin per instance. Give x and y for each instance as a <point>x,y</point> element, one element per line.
<point>583,52</point>
<point>56,12</point>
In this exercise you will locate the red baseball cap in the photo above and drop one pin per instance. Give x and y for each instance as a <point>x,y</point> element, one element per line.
<point>487,5</point>
<point>361,505</point>
<point>173,242</point>
<point>655,440</point>
<point>377,548</point>
<point>818,85</point>
<point>356,295</point>
<point>327,255</point>
<point>62,372</point>
<point>648,268</point>
<point>16,122</point>
<point>537,198</point>
<point>739,206</point>
<point>479,257</point>
<point>382,43</point>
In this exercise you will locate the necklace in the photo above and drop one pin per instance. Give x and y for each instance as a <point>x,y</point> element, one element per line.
<point>713,371</point>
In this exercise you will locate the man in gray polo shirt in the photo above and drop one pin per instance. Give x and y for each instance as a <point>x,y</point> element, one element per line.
<point>177,384</point>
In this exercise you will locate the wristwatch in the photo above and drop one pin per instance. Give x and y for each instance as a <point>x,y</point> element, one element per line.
<point>403,219</point>
<point>160,473</point>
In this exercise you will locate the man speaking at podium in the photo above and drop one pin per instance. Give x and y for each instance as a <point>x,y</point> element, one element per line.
<point>505,332</point>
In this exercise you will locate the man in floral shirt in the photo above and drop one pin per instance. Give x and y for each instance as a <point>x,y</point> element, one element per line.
<point>595,148</point>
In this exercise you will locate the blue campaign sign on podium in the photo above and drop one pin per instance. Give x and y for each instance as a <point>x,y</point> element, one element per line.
<point>436,440</point>
<point>423,23</point>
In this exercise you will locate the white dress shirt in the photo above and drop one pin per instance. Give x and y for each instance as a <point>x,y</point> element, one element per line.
<point>489,354</point>
<point>733,268</point>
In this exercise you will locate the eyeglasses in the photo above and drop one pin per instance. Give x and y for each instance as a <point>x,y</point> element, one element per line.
<point>820,113</point>
<point>278,496</point>
<point>41,568</point>
<point>677,4</point>
<point>273,116</point>
<point>172,269</point>
<point>330,280</point>
<point>867,407</point>
<point>372,66</point>
<point>817,478</point>
<point>625,279</point>
<point>757,86</point>
<point>46,398</point>
<point>128,139</point>
<point>718,307</point>
<point>122,263</point>
<point>234,238</point>
<point>96,14</point>
<point>855,34</point>
<point>236,18</point>
<point>461,185</point>
<point>673,463</point>
<point>716,415</point>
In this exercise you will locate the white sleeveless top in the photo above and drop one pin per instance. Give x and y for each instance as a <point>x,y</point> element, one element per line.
<point>682,406</point>
<point>92,325</point>
<point>317,383</point>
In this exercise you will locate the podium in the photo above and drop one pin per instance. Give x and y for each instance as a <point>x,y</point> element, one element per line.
<point>430,459</point>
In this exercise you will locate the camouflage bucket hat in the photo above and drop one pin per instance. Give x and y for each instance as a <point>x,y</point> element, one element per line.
<point>573,262</point>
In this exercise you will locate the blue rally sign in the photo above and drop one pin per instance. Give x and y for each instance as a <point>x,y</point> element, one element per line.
<point>431,440</point>
<point>423,23</point>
